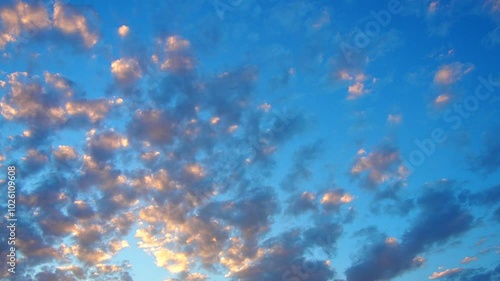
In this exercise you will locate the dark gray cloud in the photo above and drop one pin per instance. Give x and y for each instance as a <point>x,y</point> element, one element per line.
<point>488,160</point>
<point>441,217</point>
<point>301,203</point>
<point>285,261</point>
<point>301,170</point>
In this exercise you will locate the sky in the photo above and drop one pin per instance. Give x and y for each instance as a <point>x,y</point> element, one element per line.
<point>252,140</point>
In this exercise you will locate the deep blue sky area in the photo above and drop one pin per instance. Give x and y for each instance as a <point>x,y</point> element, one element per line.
<point>252,140</point>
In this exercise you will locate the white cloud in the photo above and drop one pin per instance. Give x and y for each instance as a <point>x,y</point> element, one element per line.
<point>123,30</point>
<point>126,70</point>
<point>21,17</point>
<point>71,22</point>
<point>65,152</point>
<point>451,73</point>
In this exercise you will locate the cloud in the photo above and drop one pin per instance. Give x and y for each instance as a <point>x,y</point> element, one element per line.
<point>299,204</point>
<point>394,119</point>
<point>94,110</point>
<point>380,166</point>
<point>22,20</point>
<point>324,235</point>
<point>80,210</point>
<point>494,5</point>
<point>357,89</point>
<point>174,55</point>
<point>35,160</point>
<point>159,180</point>
<point>126,70</point>
<point>45,108</point>
<point>26,102</point>
<point>59,82</point>
<point>441,217</point>
<point>451,73</point>
<point>448,272</point>
<point>492,39</point>
<point>390,200</point>
<point>69,21</point>
<point>196,277</point>
<point>176,43</point>
<point>475,274</point>
<point>488,159</point>
<point>102,145</point>
<point>280,258</point>
<point>251,215</point>
<point>333,199</point>
<point>154,126</point>
<point>65,152</point>
<point>303,158</point>
<point>468,259</point>
<point>123,31</point>
<point>442,99</point>
<point>173,262</point>
<point>433,6</point>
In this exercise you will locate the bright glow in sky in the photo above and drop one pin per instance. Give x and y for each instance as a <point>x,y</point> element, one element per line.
<point>253,140</point>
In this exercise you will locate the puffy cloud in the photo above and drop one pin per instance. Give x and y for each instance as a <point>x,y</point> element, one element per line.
<point>94,110</point>
<point>59,82</point>
<point>126,70</point>
<point>22,17</point>
<point>178,64</point>
<point>252,215</point>
<point>303,158</point>
<point>324,235</point>
<point>69,21</point>
<point>333,199</point>
<point>25,20</point>
<point>150,155</point>
<point>173,262</point>
<point>176,56</point>
<point>159,180</point>
<point>123,30</point>
<point>155,126</point>
<point>80,210</point>
<point>381,165</point>
<point>35,160</point>
<point>103,145</point>
<point>451,73</point>
<point>90,256</point>
<point>299,204</point>
<point>176,43</point>
<point>197,277</point>
<point>357,89</point>
<point>26,101</point>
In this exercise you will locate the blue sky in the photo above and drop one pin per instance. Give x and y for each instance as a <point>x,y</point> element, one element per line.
<point>252,139</point>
